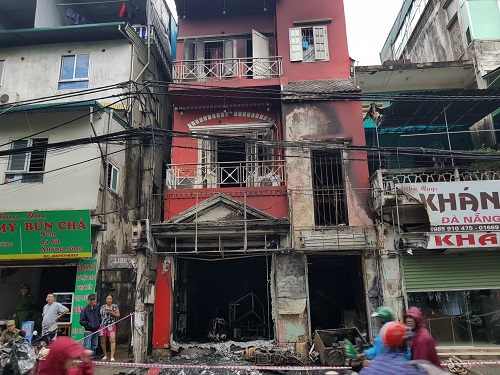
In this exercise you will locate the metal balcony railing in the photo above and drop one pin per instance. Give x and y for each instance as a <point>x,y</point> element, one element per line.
<point>219,69</point>
<point>158,41</point>
<point>383,181</point>
<point>225,174</point>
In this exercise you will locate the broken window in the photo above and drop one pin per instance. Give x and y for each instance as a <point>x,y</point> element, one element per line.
<point>330,201</point>
<point>239,161</point>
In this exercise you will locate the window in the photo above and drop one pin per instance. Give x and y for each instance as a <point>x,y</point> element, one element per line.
<point>74,72</point>
<point>451,10</point>
<point>330,200</point>
<point>238,161</point>
<point>308,44</point>
<point>29,166</point>
<point>2,63</point>
<point>113,177</point>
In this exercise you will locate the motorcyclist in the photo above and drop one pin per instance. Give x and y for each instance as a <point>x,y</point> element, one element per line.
<point>393,361</point>
<point>10,334</point>
<point>382,315</point>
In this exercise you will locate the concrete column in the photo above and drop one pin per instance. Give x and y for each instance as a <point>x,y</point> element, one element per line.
<point>140,326</point>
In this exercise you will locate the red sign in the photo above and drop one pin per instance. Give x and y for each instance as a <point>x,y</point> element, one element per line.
<point>463,240</point>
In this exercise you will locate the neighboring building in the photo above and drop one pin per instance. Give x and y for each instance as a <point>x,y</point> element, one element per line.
<point>267,231</point>
<point>72,108</point>
<point>447,30</point>
<point>437,208</point>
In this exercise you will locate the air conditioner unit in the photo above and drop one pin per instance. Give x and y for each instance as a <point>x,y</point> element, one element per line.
<point>9,97</point>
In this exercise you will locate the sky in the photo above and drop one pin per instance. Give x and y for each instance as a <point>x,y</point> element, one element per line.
<point>368,24</point>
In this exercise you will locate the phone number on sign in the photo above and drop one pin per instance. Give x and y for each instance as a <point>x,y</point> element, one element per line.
<point>464,228</point>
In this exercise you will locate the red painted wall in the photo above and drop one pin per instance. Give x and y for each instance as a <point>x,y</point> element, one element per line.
<point>190,27</point>
<point>185,150</point>
<point>270,199</point>
<point>293,10</point>
<point>163,303</point>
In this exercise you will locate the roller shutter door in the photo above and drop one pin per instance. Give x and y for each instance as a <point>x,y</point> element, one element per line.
<point>434,271</point>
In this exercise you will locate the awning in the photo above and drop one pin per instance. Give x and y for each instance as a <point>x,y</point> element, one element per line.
<point>61,34</point>
<point>456,107</point>
<point>11,109</point>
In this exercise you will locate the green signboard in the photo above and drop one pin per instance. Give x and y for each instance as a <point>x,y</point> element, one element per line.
<point>86,275</point>
<point>45,234</point>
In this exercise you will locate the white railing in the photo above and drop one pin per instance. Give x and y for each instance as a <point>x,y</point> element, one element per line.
<point>218,69</point>
<point>383,181</point>
<point>225,174</point>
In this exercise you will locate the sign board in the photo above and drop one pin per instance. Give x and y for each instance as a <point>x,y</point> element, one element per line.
<point>121,261</point>
<point>28,328</point>
<point>462,206</point>
<point>86,275</point>
<point>463,240</point>
<point>45,234</point>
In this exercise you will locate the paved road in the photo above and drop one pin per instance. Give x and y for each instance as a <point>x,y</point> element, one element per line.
<point>113,370</point>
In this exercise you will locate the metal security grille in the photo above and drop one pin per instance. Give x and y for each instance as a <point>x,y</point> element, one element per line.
<point>308,43</point>
<point>330,205</point>
<point>432,271</point>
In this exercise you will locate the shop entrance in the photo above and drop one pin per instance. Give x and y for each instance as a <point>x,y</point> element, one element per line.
<point>41,281</point>
<point>223,299</point>
<point>336,292</point>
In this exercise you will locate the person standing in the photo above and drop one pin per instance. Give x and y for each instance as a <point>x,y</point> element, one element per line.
<point>11,333</point>
<point>109,314</point>
<point>24,306</point>
<point>422,344</point>
<point>52,312</point>
<point>90,320</point>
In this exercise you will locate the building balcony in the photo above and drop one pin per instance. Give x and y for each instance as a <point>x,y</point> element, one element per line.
<point>390,201</point>
<point>224,69</point>
<point>158,40</point>
<point>226,175</point>
<point>254,183</point>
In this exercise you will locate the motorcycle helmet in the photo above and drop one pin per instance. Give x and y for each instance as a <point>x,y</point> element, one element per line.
<point>393,334</point>
<point>383,313</point>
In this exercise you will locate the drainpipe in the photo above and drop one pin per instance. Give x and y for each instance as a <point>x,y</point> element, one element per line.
<point>149,42</point>
<point>106,171</point>
<point>104,164</point>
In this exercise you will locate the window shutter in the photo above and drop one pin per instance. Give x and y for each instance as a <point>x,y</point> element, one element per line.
<point>320,43</point>
<point>199,56</point>
<point>229,64</point>
<point>19,162</point>
<point>296,53</point>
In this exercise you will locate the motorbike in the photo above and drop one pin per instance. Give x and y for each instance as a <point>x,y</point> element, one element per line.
<point>19,359</point>
<point>40,342</point>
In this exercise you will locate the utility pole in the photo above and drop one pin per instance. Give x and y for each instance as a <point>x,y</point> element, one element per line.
<point>140,242</point>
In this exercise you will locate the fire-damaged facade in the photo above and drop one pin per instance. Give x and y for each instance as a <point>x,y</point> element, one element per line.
<point>267,232</point>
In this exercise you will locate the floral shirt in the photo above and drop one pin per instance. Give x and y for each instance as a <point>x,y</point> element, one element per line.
<point>106,318</point>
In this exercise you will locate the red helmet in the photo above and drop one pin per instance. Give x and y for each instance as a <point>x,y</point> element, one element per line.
<point>392,334</point>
